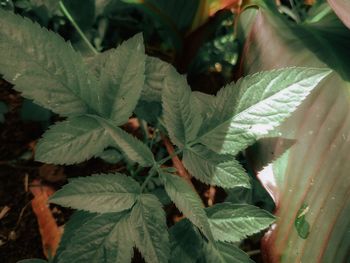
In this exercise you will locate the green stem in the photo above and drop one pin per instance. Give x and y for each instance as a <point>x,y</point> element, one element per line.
<point>144,129</point>
<point>164,160</point>
<point>155,168</point>
<point>76,26</point>
<point>152,173</point>
<point>295,11</point>
<point>320,15</point>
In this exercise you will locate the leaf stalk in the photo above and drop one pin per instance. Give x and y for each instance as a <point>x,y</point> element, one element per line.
<point>76,26</point>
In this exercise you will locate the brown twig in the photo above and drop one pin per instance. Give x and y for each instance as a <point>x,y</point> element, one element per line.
<point>181,170</point>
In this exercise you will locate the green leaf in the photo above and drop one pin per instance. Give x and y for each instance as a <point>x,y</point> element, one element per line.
<point>328,30</point>
<point>150,111</point>
<point>103,238</point>
<point>72,141</point>
<point>3,110</point>
<point>155,70</point>
<point>233,223</point>
<point>149,230</point>
<point>111,156</point>
<point>342,9</point>
<point>75,222</point>
<point>101,193</point>
<point>44,67</point>
<point>186,242</point>
<point>181,113</point>
<point>206,103</point>
<point>121,79</point>
<point>314,170</point>
<point>187,201</point>
<point>155,74</point>
<point>132,147</point>
<point>214,169</point>
<point>162,195</point>
<point>33,112</point>
<point>259,103</point>
<point>187,245</point>
<point>224,253</point>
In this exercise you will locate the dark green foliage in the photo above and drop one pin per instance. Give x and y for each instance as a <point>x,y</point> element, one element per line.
<point>98,95</point>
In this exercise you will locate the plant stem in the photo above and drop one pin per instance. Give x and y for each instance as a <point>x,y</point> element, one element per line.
<point>144,129</point>
<point>171,156</point>
<point>182,172</point>
<point>153,172</point>
<point>253,252</point>
<point>295,11</point>
<point>76,26</point>
<point>176,161</point>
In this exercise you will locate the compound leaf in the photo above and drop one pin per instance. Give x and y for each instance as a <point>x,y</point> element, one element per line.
<point>103,238</point>
<point>72,141</point>
<point>149,230</point>
<point>121,79</point>
<point>260,103</point>
<point>100,193</point>
<point>44,67</point>
<point>187,201</point>
<point>214,169</point>
<point>181,113</point>
<point>233,223</point>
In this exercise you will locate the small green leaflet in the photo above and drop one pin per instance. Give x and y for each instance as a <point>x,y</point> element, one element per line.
<point>155,74</point>
<point>72,141</point>
<point>187,201</point>
<point>44,67</point>
<point>155,71</point>
<point>132,147</point>
<point>180,111</point>
<point>102,238</point>
<point>121,80</point>
<point>302,226</point>
<point>214,169</point>
<point>148,229</point>
<point>187,245</point>
<point>233,223</point>
<point>80,138</point>
<point>101,193</point>
<point>256,105</point>
<point>111,156</point>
